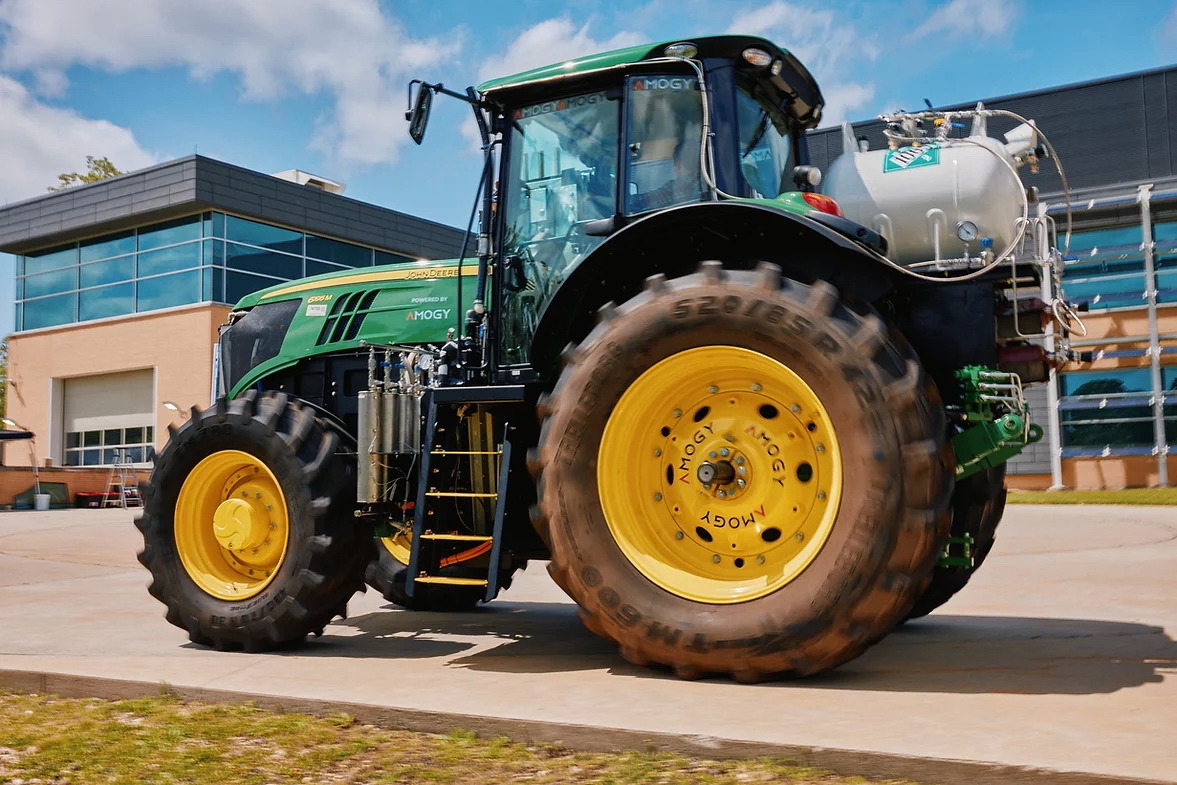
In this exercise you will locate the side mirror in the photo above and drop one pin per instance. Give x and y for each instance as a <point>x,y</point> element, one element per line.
<point>806,177</point>
<point>418,116</point>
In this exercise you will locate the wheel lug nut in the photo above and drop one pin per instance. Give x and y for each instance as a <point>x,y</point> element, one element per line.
<point>273,525</point>
<point>741,470</point>
<point>724,451</point>
<point>258,494</point>
<point>657,497</point>
<point>821,495</point>
<point>756,388</point>
<point>739,460</point>
<point>712,454</point>
<point>657,452</point>
<point>796,408</point>
<point>730,438</point>
<point>741,483</point>
<point>678,535</point>
<point>715,558</point>
<point>760,559</point>
<point>820,448</point>
<point>678,412</point>
<point>245,494</point>
<point>723,494</point>
<point>269,506</point>
<point>713,389</point>
<point>799,536</point>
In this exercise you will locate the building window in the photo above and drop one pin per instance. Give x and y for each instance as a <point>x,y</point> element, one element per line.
<point>109,446</point>
<point>1105,268</point>
<point>210,257</point>
<point>1165,236</point>
<point>1110,412</point>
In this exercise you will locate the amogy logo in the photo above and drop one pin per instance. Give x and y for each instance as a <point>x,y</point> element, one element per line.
<point>665,83</point>
<point>559,106</point>
<point>437,313</point>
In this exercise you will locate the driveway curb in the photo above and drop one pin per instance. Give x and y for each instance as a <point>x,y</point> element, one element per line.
<point>588,738</point>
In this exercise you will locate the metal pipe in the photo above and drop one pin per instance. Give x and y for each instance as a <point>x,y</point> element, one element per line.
<point>1154,342</point>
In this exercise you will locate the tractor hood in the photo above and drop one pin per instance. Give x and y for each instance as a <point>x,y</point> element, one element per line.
<point>413,303</point>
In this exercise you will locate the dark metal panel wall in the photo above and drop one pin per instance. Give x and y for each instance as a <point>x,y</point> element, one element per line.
<point>1118,130</point>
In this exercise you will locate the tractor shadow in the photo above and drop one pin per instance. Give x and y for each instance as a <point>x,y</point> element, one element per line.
<point>937,654</point>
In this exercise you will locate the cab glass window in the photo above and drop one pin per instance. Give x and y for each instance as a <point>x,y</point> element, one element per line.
<point>664,138</point>
<point>562,174</point>
<point>766,147</point>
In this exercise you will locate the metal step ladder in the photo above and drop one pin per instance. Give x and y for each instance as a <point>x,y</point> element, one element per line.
<point>122,486</point>
<point>437,541</point>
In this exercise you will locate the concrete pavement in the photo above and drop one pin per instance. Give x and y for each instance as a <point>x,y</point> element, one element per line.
<point>1061,655</point>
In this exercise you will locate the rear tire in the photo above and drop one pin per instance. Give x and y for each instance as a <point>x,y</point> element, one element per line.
<point>884,421</point>
<point>308,490</point>
<point>977,506</point>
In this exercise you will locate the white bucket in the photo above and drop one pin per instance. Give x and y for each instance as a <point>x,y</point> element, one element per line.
<point>40,501</point>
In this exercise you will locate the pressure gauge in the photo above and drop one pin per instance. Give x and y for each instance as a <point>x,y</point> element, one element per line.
<point>966,231</point>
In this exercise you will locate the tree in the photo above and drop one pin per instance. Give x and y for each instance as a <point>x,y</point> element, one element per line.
<point>96,169</point>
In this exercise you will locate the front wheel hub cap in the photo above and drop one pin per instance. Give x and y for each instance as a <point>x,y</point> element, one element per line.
<point>734,496</point>
<point>231,525</point>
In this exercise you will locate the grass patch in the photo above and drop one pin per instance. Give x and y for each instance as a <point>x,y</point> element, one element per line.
<point>1149,496</point>
<point>48,740</point>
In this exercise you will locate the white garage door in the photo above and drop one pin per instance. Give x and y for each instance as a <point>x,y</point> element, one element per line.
<point>107,415</point>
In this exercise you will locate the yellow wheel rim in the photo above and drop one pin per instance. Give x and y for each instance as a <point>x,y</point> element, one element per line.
<point>720,474</point>
<point>399,545</point>
<point>231,525</point>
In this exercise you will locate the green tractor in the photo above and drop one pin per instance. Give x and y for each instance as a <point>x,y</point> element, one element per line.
<point>747,439</point>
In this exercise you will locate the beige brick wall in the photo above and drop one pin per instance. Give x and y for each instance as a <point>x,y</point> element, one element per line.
<point>176,344</point>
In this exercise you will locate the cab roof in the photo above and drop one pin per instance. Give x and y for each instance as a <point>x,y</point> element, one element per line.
<point>721,46</point>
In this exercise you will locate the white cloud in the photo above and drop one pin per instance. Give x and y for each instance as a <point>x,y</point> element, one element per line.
<point>983,18</point>
<point>1169,29</point>
<point>549,41</point>
<point>552,41</point>
<point>827,45</point>
<point>40,141</point>
<point>346,49</point>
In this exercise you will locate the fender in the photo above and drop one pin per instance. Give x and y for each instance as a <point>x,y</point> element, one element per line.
<point>673,242</point>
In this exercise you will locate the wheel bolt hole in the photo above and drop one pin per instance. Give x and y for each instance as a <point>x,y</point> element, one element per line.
<point>705,535</point>
<point>669,474</point>
<point>739,562</point>
<point>665,431</point>
<point>804,472</point>
<point>768,411</point>
<point>812,426</point>
<point>771,534</point>
<point>703,412</point>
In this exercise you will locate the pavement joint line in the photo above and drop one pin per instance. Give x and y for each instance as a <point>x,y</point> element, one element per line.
<point>588,738</point>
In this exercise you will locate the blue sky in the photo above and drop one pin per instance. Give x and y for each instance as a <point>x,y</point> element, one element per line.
<point>319,85</point>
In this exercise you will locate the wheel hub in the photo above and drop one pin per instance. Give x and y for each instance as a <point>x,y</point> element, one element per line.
<point>738,474</point>
<point>231,525</point>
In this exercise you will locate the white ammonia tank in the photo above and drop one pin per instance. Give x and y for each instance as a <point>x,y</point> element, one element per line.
<point>939,200</point>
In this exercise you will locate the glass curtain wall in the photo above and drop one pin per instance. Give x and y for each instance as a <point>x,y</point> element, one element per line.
<point>205,258</point>
<point>1114,412</point>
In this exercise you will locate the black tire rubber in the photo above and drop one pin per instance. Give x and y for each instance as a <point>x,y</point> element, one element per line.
<point>894,514</point>
<point>327,547</point>
<point>977,506</point>
<point>386,574</point>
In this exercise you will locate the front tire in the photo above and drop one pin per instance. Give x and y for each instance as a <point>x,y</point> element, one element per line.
<point>247,525</point>
<point>844,520</point>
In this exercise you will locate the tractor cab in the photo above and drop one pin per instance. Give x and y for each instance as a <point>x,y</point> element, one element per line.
<point>593,145</point>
